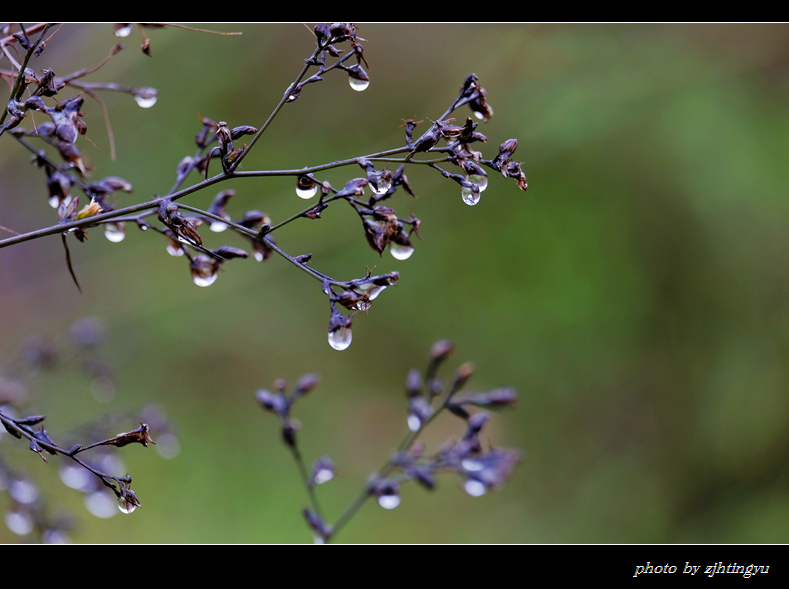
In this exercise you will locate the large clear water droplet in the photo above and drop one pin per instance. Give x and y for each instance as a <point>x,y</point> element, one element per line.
<point>480,180</point>
<point>340,338</point>
<point>414,423</point>
<point>479,115</point>
<point>205,280</point>
<point>307,193</point>
<point>389,501</point>
<point>381,187</point>
<point>472,465</point>
<point>19,522</point>
<point>146,97</point>
<point>115,232</point>
<point>218,226</point>
<point>175,250</point>
<point>373,291</point>
<point>470,196</point>
<point>357,84</point>
<point>474,488</point>
<point>125,506</point>
<point>400,252</point>
<point>123,31</point>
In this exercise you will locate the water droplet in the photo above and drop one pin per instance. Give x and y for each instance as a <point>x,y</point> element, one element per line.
<point>340,338</point>
<point>175,249</point>
<point>125,506</point>
<point>100,504</point>
<point>146,97</point>
<point>115,232</point>
<point>323,475</point>
<point>292,98</point>
<point>54,201</point>
<point>472,465</point>
<point>470,196</point>
<point>318,540</point>
<point>204,280</point>
<point>479,115</point>
<point>414,423</point>
<point>218,226</point>
<point>357,84</point>
<point>259,256</point>
<point>19,522</point>
<point>474,488</point>
<point>400,252</point>
<point>307,193</point>
<point>389,501</point>
<point>123,31</point>
<point>382,186</point>
<point>480,180</point>
<point>373,291</point>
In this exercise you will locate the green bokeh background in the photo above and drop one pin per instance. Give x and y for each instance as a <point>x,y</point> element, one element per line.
<point>635,296</point>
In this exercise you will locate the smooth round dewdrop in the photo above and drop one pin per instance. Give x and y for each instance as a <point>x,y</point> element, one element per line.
<point>340,338</point>
<point>389,501</point>
<point>470,196</point>
<point>400,252</point>
<point>126,506</point>
<point>114,232</point>
<point>474,487</point>
<point>358,84</point>
<point>306,193</point>
<point>146,97</point>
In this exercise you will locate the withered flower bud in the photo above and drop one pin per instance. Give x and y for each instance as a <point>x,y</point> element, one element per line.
<point>274,402</point>
<point>141,435</point>
<point>204,270</point>
<point>413,383</point>
<point>242,130</point>
<point>289,429</point>
<point>228,252</point>
<point>183,229</point>
<point>304,385</point>
<point>475,424</point>
<point>480,107</point>
<point>441,350</point>
<point>218,208</point>
<point>463,374</point>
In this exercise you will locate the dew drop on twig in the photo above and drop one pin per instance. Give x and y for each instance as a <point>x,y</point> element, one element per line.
<point>400,252</point>
<point>340,338</point>
<point>357,84</point>
<point>126,506</point>
<point>389,501</point>
<point>474,487</point>
<point>308,192</point>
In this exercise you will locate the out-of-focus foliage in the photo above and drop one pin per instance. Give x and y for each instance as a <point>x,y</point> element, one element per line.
<point>637,296</point>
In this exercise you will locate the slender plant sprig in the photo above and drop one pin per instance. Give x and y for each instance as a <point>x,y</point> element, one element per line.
<point>383,229</point>
<point>79,348</point>
<point>480,470</point>
<point>40,442</point>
